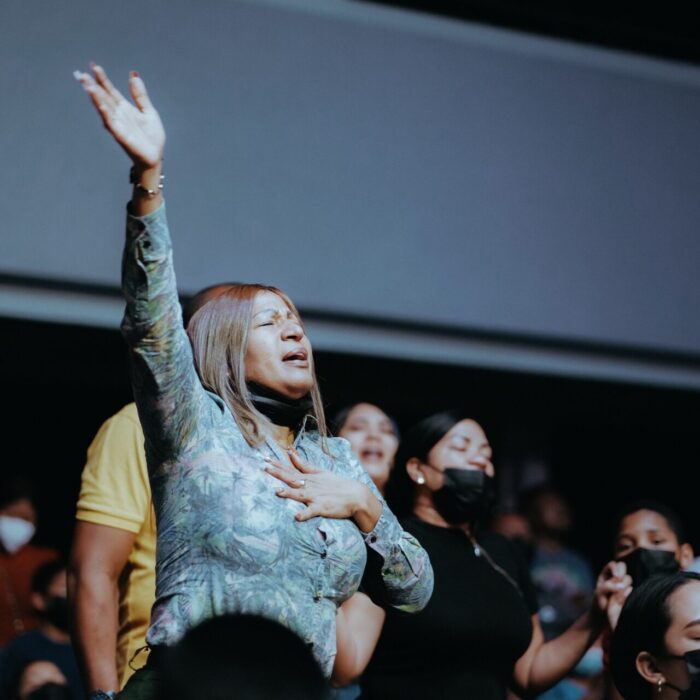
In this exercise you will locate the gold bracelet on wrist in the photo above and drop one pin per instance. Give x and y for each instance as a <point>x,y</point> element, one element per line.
<point>149,194</point>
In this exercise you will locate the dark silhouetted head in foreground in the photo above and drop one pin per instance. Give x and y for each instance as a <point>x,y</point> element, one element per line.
<point>244,657</point>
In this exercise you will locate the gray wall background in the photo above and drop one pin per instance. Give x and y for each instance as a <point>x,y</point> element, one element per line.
<point>367,161</point>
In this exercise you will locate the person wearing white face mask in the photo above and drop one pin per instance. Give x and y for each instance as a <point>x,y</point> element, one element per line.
<point>19,559</point>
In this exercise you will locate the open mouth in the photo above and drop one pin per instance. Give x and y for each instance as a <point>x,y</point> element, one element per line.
<point>371,454</point>
<point>298,357</point>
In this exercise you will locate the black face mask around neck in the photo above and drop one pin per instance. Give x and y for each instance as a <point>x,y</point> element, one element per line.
<point>279,409</point>
<point>642,563</point>
<point>466,496</point>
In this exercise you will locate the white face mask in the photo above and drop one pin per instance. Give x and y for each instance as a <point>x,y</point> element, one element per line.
<point>15,533</point>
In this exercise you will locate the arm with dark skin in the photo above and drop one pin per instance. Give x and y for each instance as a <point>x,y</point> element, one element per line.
<point>546,663</point>
<point>98,557</point>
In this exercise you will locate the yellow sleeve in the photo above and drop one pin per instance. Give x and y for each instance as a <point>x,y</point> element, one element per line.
<point>114,489</point>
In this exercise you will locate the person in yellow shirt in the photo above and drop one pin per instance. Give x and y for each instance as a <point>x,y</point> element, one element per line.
<point>112,572</point>
<point>112,566</point>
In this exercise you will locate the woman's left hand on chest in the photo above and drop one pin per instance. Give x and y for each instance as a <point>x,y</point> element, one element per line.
<point>324,493</point>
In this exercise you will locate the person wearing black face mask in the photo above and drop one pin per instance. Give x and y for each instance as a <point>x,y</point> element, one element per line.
<point>480,632</point>
<point>650,539</point>
<point>655,652</point>
<point>50,640</point>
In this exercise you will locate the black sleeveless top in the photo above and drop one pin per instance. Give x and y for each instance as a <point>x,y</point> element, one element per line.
<point>466,641</point>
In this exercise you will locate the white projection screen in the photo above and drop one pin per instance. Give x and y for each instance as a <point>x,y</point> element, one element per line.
<point>372,162</point>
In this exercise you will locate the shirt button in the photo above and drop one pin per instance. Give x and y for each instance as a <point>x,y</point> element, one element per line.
<point>324,555</point>
<point>373,538</point>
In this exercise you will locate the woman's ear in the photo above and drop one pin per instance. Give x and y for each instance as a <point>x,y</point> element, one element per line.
<point>413,467</point>
<point>686,555</point>
<point>648,669</point>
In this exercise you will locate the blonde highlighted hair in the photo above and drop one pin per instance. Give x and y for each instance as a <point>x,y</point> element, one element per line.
<point>218,331</point>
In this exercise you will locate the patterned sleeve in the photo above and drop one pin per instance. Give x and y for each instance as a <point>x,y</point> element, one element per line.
<point>166,386</point>
<point>404,566</point>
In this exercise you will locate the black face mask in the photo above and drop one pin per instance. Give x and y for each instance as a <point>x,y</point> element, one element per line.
<point>56,612</point>
<point>279,409</point>
<point>467,495</point>
<point>692,660</point>
<point>642,563</point>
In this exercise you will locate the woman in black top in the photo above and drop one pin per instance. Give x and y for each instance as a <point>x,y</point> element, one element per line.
<point>480,632</point>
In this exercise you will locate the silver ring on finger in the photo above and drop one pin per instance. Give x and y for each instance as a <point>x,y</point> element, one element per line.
<point>302,483</point>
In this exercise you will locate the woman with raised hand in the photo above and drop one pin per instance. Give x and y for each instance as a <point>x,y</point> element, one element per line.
<point>480,632</point>
<point>257,512</point>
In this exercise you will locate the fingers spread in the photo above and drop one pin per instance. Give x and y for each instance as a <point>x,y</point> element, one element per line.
<point>301,464</point>
<point>307,513</point>
<point>100,98</point>
<point>106,84</point>
<point>289,478</point>
<point>138,92</point>
<point>294,494</point>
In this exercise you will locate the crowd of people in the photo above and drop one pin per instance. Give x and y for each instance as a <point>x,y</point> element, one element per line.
<point>230,542</point>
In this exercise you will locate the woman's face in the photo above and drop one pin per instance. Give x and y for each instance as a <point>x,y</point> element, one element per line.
<point>683,635</point>
<point>278,355</point>
<point>373,439</point>
<point>464,446</point>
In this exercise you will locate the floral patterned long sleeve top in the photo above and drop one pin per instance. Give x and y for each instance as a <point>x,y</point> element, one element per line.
<point>226,542</point>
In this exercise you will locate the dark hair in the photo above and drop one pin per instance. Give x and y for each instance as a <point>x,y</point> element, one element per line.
<point>15,488</point>
<point>242,656</point>
<point>417,442</point>
<point>666,512</point>
<point>644,620</point>
<point>338,421</point>
<point>44,574</point>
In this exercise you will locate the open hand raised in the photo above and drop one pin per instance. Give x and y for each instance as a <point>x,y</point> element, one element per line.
<point>136,126</point>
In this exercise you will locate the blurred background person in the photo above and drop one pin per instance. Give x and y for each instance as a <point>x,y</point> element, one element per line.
<point>50,640</point>
<point>655,650</point>
<point>19,557</point>
<point>515,527</point>
<point>565,583</point>
<point>373,436</point>
<point>562,577</point>
<point>244,657</point>
<point>480,632</point>
<point>41,680</point>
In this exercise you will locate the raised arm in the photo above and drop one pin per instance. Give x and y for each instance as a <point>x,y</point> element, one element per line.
<point>546,663</point>
<point>166,386</point>
<point>136,127</point>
